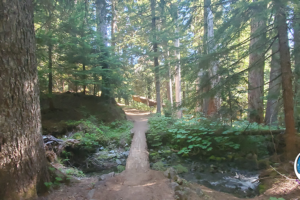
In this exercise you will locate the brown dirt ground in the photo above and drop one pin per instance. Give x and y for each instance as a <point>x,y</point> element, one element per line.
<point>139,182</point>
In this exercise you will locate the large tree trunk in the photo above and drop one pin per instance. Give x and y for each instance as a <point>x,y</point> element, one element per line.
<point>274,87</point>
<point>23,166</point>
<point>177,75</point>
<point>156,64</point>
<point>101,19</point>
<point>296,27</point>
<point>210,102</point>
<point>213,104</point>
<point>287,86</point>
<point>166,55</point>
<point>101,12</point>
<point>256,71</point>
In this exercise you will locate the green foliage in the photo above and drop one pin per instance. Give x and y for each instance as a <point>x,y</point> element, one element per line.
<point>120,168</point>
<point>158,134</point>
<point>92,133</point>
<point>190,135</point>
<point>48,184</point>
<point>274,198</point>
<point>74,172</point>
<point>180,169</point>
<point>159,166</point>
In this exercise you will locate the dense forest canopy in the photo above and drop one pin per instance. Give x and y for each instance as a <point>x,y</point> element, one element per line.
<point>224,59</point>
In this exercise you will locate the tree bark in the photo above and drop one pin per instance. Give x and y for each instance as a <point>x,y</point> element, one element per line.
<point>156,64</point>
<point>256,71</point>
<point>113,22</point>
<point>84,79</point>
<point>287,86</point>
<point>101,19</point>
<point>166,54</point>
<point>274,87</point>
<point>178,97</point>
<point>101,12</point>
<point>23,166</point>
<point>213,103</point>
<point>50,76</point>
<point>296,27</point>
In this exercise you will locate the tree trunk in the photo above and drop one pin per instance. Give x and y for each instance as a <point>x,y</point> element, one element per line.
<point>156,64</point>
<point>101,12</point>
<point>148,81</point>
<point>23,166</point>
<point>101,19</point>
<point>296,27</point>
<point>166,55</point>
<point>84,77</point>
<point>178,77</point>
<point>113,22</point>
<point>274,87</point>
<point>256,71</point>
<point>213,103</point>
<point>287,87</point>
<point>50,76</point>
<point>169,86</point>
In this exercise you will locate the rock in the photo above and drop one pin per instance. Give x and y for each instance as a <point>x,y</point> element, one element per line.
<point>180,195</point>
<point>174,186</point>
<point>213,169</point>
<point>112,151</point>
<point>170,173</point>
<point>201,169</point>
<point>91,193</point>
<point>179,180</point>
<point>105,176</point>
<point>118,162</point>
<point>199,192</point>
<point>125,153</point>
<point>112,155</point>
<point>101,148</point>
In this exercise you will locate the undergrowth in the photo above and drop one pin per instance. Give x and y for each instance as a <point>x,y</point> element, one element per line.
<point>193,135</point>
<point>93,133</point>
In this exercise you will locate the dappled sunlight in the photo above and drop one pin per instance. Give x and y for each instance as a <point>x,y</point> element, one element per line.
<point>283,187</point>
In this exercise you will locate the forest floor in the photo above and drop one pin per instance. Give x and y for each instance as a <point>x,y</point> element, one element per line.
<point>139,182</point>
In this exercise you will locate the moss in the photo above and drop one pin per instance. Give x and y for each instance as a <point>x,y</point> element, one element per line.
<point>262,188</point>
<point>159,166</point>
<point>180,169</point>
<point>120,168</point>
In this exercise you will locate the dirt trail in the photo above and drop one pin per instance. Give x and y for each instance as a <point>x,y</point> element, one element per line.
<point>138,181</point>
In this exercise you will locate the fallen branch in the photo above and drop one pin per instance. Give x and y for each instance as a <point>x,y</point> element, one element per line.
<point>290,179</point>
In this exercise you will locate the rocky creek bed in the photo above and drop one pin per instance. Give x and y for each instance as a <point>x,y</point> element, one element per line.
<point>221,176</point>
<point>234,177</point>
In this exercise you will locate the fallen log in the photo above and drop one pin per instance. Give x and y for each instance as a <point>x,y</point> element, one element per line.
<point>235,133</point>
<point>144,100</point>
<point>222,132</point>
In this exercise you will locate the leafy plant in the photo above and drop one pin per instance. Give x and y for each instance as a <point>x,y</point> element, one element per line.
<point>180,169</point>
<point>160,166</point>
<point>75,172</point>
<point>120,168</point>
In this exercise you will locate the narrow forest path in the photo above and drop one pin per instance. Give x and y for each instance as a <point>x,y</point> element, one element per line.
<point>138,181</point>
